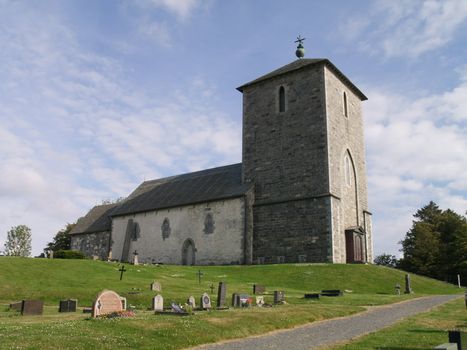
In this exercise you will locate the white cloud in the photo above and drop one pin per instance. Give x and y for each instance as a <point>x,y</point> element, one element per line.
<point>406,28</point>
<point>181,8</point>
<point>74,130</point>
<point>416,153</point>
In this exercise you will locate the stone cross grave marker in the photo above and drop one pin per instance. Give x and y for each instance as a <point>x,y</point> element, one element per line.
<point>260,301</point>
<point>135,258</point>
<point>408,288</point>
<point>68,305</point>
<point>156,286</point>
<point>122,270</point>
<point>106,302</point>
<point>279,296</point>
<point>205,301</point>
<point>221,292</point>
<point>158,303</point>
<point>258,289</point>
<point>191,301</point>
<point>32,307</point>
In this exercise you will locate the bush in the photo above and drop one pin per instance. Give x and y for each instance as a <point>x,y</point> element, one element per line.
<point>69,254</point>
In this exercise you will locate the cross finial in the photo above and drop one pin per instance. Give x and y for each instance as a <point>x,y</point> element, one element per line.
<point>300,40</point>
<point>300,52</point>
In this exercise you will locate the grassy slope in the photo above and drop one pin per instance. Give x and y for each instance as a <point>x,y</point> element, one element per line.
<point>52,280</point>
<point>423,331</point>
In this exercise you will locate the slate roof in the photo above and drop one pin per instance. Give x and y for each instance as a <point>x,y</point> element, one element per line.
<point>200,186</point>
<point>305,62</point>
<point>96,220</point>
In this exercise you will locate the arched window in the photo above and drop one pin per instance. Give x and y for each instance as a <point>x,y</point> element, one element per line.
<point>347,170</point>
<point>345,106</point>
<point>165,228</point>
<point>281,99</point>
<point>208,224</point>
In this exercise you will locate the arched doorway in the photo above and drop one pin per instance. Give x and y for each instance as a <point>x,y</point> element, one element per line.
<point>188,252</point>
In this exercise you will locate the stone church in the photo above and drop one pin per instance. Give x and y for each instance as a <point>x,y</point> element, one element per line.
<point>299,195</point>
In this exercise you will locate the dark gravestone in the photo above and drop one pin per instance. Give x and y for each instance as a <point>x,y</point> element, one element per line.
<point>312,296</point>
<point>279,296</point>
<point>235,300</point>
<point>332,293</point>
<point>16,306</point>
<point>221,291</point>
<point>459,338</point>
<point>32,307</point>
<point>258,289</point>
<point>244,300</point>
<point>408,288</point>
<point>68,305</point>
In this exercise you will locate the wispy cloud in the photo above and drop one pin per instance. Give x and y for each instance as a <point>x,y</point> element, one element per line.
<point>406,28</point>
<point>416,153</point>
<point>75,130</point>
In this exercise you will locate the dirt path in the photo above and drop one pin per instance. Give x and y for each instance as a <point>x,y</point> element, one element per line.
<point>315,335</point>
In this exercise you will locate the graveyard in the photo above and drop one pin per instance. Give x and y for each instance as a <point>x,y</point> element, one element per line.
<point>332,290</point>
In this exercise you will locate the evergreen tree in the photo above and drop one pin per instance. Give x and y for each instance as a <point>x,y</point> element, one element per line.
<point>62,240</point>
<point>18,241</point>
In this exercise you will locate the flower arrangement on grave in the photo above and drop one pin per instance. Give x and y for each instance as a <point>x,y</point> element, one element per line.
<point>119,314</point>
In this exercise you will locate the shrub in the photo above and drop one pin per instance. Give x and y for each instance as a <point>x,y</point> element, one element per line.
<point>69,254</point>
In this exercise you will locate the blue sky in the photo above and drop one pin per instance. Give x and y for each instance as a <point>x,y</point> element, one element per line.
<point>97,96</point>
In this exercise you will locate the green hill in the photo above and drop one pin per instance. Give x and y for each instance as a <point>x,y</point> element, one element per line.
<point>52,280</point>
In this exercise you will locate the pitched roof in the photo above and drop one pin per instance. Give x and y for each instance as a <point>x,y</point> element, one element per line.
<point>96,220</point>
<point>200,186</point>
<point>305,62</point>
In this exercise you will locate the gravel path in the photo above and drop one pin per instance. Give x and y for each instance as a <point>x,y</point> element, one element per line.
<point>315,335</point>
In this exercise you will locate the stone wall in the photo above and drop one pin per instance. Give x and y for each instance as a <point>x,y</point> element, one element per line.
<point>345,137</point>
<point>92,244</point>
<point>217,230</point>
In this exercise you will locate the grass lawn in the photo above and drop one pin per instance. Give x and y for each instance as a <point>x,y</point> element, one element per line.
<point>52,280</point>
<point>424,331</point>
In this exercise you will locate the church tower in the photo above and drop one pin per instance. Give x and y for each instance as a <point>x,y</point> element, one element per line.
<point>303,149</point>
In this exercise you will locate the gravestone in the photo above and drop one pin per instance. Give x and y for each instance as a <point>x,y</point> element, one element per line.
<point>106,302</point>
<point>191,301</point>
<point>459,338</point>
<point>244,300</point>
<point>279,296</point>
<point>205,301</point>
<point>156,286</point>
<point>235,300</point>
<point>32,307</point>
<point>312,296</point>
<point>16,306</point>
<point>258,289</point>
<point>68,305</point>
<point>332,293</point>
<point>123,301</point>
<point>221,291</point>
<point>158,303</point>
<point>408,288</point>
<point>447,346</point>
<point>135,258</point>
<point>398,289</point>
<point>260,301</point>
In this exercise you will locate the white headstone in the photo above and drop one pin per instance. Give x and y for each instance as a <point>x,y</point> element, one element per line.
<point>205,301</point>
<point>135,260</point>
<point>158,303</point>
<point>191,301</point>
<point>260,301</point>
<point>156,286</point>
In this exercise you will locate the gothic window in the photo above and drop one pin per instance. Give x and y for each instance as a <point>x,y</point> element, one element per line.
<point>347,170</point>
<point>345,105</point>
<point>281,99</point>
<point>208,224</point>
<point>165,228</point>
<point>135,233</point>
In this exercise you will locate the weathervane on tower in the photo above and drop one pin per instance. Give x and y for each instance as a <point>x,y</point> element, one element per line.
<point>300,52</point>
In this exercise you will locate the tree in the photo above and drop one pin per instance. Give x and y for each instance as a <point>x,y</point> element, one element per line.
<point>386,260</point>
<point>62,240</point>
<point>436,245</point>
<point>18,241</point>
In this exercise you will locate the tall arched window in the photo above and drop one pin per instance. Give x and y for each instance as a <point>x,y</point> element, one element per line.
<point>347,170</point>
<point>281,99</point>
<point>345,106</point>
